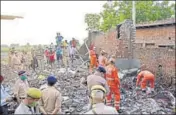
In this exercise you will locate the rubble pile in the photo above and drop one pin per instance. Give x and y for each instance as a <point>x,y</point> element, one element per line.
<point>75,97</point>
<point>135,102</point>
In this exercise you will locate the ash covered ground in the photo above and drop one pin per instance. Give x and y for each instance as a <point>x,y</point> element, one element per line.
<point>75,97</point>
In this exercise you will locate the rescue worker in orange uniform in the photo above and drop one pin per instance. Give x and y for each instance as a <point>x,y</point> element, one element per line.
<point>93,59</point>
<point>102,60</point>
<point>113,83</point>
<point>146,76</point>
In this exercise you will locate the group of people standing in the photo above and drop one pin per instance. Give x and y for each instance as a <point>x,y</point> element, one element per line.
<point>19,60</point>
<point>63,51</point>
<point>104,84</point>
<point>105,78</point>
<point>32,100</point>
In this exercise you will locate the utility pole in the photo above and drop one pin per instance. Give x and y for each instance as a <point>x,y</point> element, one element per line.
<point>134,13</point>
<point>131,36</point>
<point>134,25</point>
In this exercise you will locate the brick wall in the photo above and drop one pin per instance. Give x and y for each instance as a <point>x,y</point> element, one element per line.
<point>157,35</point>
<point>154,57</point>
<point>150,57</point>
<point>111,45</point>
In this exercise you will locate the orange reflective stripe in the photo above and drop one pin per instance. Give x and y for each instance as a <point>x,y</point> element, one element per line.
<point>117,102</point>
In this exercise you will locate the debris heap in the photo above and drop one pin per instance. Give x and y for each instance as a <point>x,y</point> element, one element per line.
<point>135,102</point>
<point>75,97</point>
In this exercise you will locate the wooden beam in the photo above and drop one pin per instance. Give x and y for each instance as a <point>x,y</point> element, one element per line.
<point>9,17</point>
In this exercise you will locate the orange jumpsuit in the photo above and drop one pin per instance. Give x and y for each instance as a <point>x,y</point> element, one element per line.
<point>102,60</point>
<point>146,76</point>
<point>93,60</point>
<point>114,85</point>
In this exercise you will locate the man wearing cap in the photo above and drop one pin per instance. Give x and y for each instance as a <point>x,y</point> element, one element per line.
<point>16,62</point>
<point>113,83</point>
<point>21,86</point>
<point>102,60</point>
<point>50,102</point>
<point>93,59</point>
<point>29,104</point>
<point>65,55</point>
<point>98,78</point>
<point>97,97</point>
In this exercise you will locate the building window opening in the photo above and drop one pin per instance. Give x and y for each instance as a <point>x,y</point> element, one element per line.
<point>167,46</point>
<point>169,38</point>
<point>150,45</point>
<point>118,32</point>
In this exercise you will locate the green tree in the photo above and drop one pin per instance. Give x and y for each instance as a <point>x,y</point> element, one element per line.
<point>109,16</point>
<point>120,10</point>
<point>92,21</point>
<point>146,10</point>
<point>164,10</point>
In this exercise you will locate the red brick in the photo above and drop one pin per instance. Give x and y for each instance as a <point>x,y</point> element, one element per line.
<point>150,57</point>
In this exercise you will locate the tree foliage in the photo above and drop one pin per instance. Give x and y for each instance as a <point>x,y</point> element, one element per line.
<point>92,21</point>
<point>109,16</point>
<point>120,10</point>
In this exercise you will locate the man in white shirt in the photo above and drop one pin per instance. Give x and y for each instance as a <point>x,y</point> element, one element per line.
<point>97,96</point>
<point>72,52</point>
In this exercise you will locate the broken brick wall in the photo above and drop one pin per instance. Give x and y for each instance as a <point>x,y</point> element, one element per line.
<point>111,44</point>
<point>151,57</point>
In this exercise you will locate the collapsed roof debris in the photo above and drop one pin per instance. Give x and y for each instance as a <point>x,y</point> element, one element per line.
<point>75,97</point>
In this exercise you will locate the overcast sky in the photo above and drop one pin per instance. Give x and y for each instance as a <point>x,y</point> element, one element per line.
<point>42,19</point>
